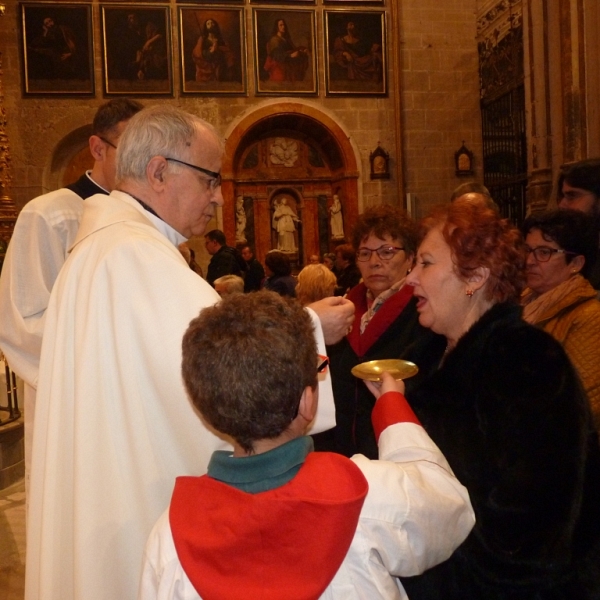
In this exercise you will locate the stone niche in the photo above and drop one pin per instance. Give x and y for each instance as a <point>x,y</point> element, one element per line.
<point>290,154</point>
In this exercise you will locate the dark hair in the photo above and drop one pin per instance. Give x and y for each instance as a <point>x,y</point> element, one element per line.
<point>584,174</point>
<point>275,30</point>
<point>111,113</point>
<point>471,187</point>
<point>347,251</point>
<point>478,237</point>
<point>246,363</point>
<point>572,230</point>
<point>278,263</point>
<point>216,235</point>
<point>385,220</point>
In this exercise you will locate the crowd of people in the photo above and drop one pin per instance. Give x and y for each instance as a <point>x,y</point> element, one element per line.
<point>205,438</point>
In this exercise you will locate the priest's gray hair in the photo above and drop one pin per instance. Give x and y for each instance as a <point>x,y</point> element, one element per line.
<point>160,131</point>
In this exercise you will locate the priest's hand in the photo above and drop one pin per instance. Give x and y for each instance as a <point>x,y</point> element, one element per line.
<point>386,384</point>
<point>336,315</point>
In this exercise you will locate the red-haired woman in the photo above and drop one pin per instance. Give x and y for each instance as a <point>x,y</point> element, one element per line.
<point>507,410</point>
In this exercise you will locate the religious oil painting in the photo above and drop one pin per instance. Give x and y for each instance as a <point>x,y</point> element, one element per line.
<point>355,53</point>
<point>213,50</point>
<point>285,55</point>
<point>210,2</point>
<point>58,55</point>
<point>288,2</point>
<point>137,50</point>
<point>355,2</point>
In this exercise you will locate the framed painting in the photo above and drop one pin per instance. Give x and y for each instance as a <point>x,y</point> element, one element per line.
<point>137,50</point>
<point>210,2</point>
<point>355,55</point>
<point>285,56</point>
<point>213,50</point>
<point>355,2</point>
<point>58,55</point>
<point>289,2</point>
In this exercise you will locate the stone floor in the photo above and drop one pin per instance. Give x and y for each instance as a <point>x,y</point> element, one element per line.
<point>12,542</point>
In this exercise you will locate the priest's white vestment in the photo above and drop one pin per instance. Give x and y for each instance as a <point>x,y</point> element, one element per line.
<point>113,425</point>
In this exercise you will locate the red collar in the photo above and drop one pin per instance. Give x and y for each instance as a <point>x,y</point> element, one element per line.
<point>381,320</point>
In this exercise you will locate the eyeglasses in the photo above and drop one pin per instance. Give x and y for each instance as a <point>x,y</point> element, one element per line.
<point>384,253</point>
<point>215,178</point>
<point>544,254</point>
<point>322,363</point>
<point>107,142</point>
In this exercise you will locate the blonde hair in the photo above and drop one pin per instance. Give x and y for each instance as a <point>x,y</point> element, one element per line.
<point>315,282</point>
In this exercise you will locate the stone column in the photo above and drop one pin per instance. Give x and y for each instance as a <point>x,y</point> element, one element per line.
<point>8,212</point>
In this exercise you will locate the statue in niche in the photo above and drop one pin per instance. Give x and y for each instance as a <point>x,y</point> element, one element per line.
<point>240,221</point>
<point>337,219</point>
<point>284,152</point>
<point>284,219</point>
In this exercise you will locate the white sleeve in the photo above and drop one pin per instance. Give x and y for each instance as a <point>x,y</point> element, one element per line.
<point>416,512</point>
<point>163,578</point>
<point>45,229</point>
<point>325,418</point>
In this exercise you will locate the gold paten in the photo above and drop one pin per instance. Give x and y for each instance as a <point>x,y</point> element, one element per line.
<point>372,370</point>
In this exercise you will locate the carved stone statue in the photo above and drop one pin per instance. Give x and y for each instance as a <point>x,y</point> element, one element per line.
<point>284,152</point>
<point>284,219</point>
<point>240,221</point>
<point>337,219</point>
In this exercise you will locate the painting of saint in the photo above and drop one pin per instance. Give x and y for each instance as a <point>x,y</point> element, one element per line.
<point>57,48</point>
<point>356,62</point>
<point>137,56</point>
<point>285,60</point>
<point>212,50</point>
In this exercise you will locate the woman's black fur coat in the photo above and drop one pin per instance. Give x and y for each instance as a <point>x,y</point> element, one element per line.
<point>507,410</point>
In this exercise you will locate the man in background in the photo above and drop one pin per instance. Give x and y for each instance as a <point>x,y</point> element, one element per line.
<point>43,234</point>
<point>474,193</point>
<point>255,272</point>
<point>225,259</point>
<point>579,189</point>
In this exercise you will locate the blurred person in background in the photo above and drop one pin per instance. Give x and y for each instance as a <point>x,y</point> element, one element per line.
<point>314,283</point>
<point>229,284</point>
<point>279,274</point>
<point>348,274</point>
<point>579,189</point>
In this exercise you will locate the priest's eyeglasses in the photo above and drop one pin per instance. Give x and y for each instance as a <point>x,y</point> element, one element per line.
<point>384,253</point>
<point>544,253</point>
<point>215,178</point>
<point>107,142</point>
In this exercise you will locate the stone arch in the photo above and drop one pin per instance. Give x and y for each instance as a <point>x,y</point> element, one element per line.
<point>313,128</point>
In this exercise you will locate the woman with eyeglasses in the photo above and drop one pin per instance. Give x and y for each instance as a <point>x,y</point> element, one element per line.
<point>386,325</point>
<point>507,410</point>
<point>561,247</point>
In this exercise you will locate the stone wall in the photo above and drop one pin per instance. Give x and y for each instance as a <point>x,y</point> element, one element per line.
<point>440,95</point>
<point>432,105</point>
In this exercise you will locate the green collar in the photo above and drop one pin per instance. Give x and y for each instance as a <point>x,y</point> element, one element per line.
<point>261,472</point>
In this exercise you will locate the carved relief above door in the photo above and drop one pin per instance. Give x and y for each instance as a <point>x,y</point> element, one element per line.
<point>287,165</point>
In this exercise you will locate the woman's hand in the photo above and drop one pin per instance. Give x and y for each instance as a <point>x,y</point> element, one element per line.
<point>387,384</point>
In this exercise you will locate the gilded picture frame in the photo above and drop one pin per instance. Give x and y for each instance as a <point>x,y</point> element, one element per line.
<point>213,50</point>
<point>355,53</point>
<point>57,49</point>
<point>285,52</point>
<point>137,50</point>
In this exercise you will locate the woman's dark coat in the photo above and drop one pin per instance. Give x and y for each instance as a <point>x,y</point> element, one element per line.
<point>507,410</point>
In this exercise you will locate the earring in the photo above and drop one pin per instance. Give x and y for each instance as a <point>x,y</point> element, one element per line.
<point>469,293</point>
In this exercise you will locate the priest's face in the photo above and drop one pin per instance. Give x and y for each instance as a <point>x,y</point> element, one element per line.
<point>195,197</point>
